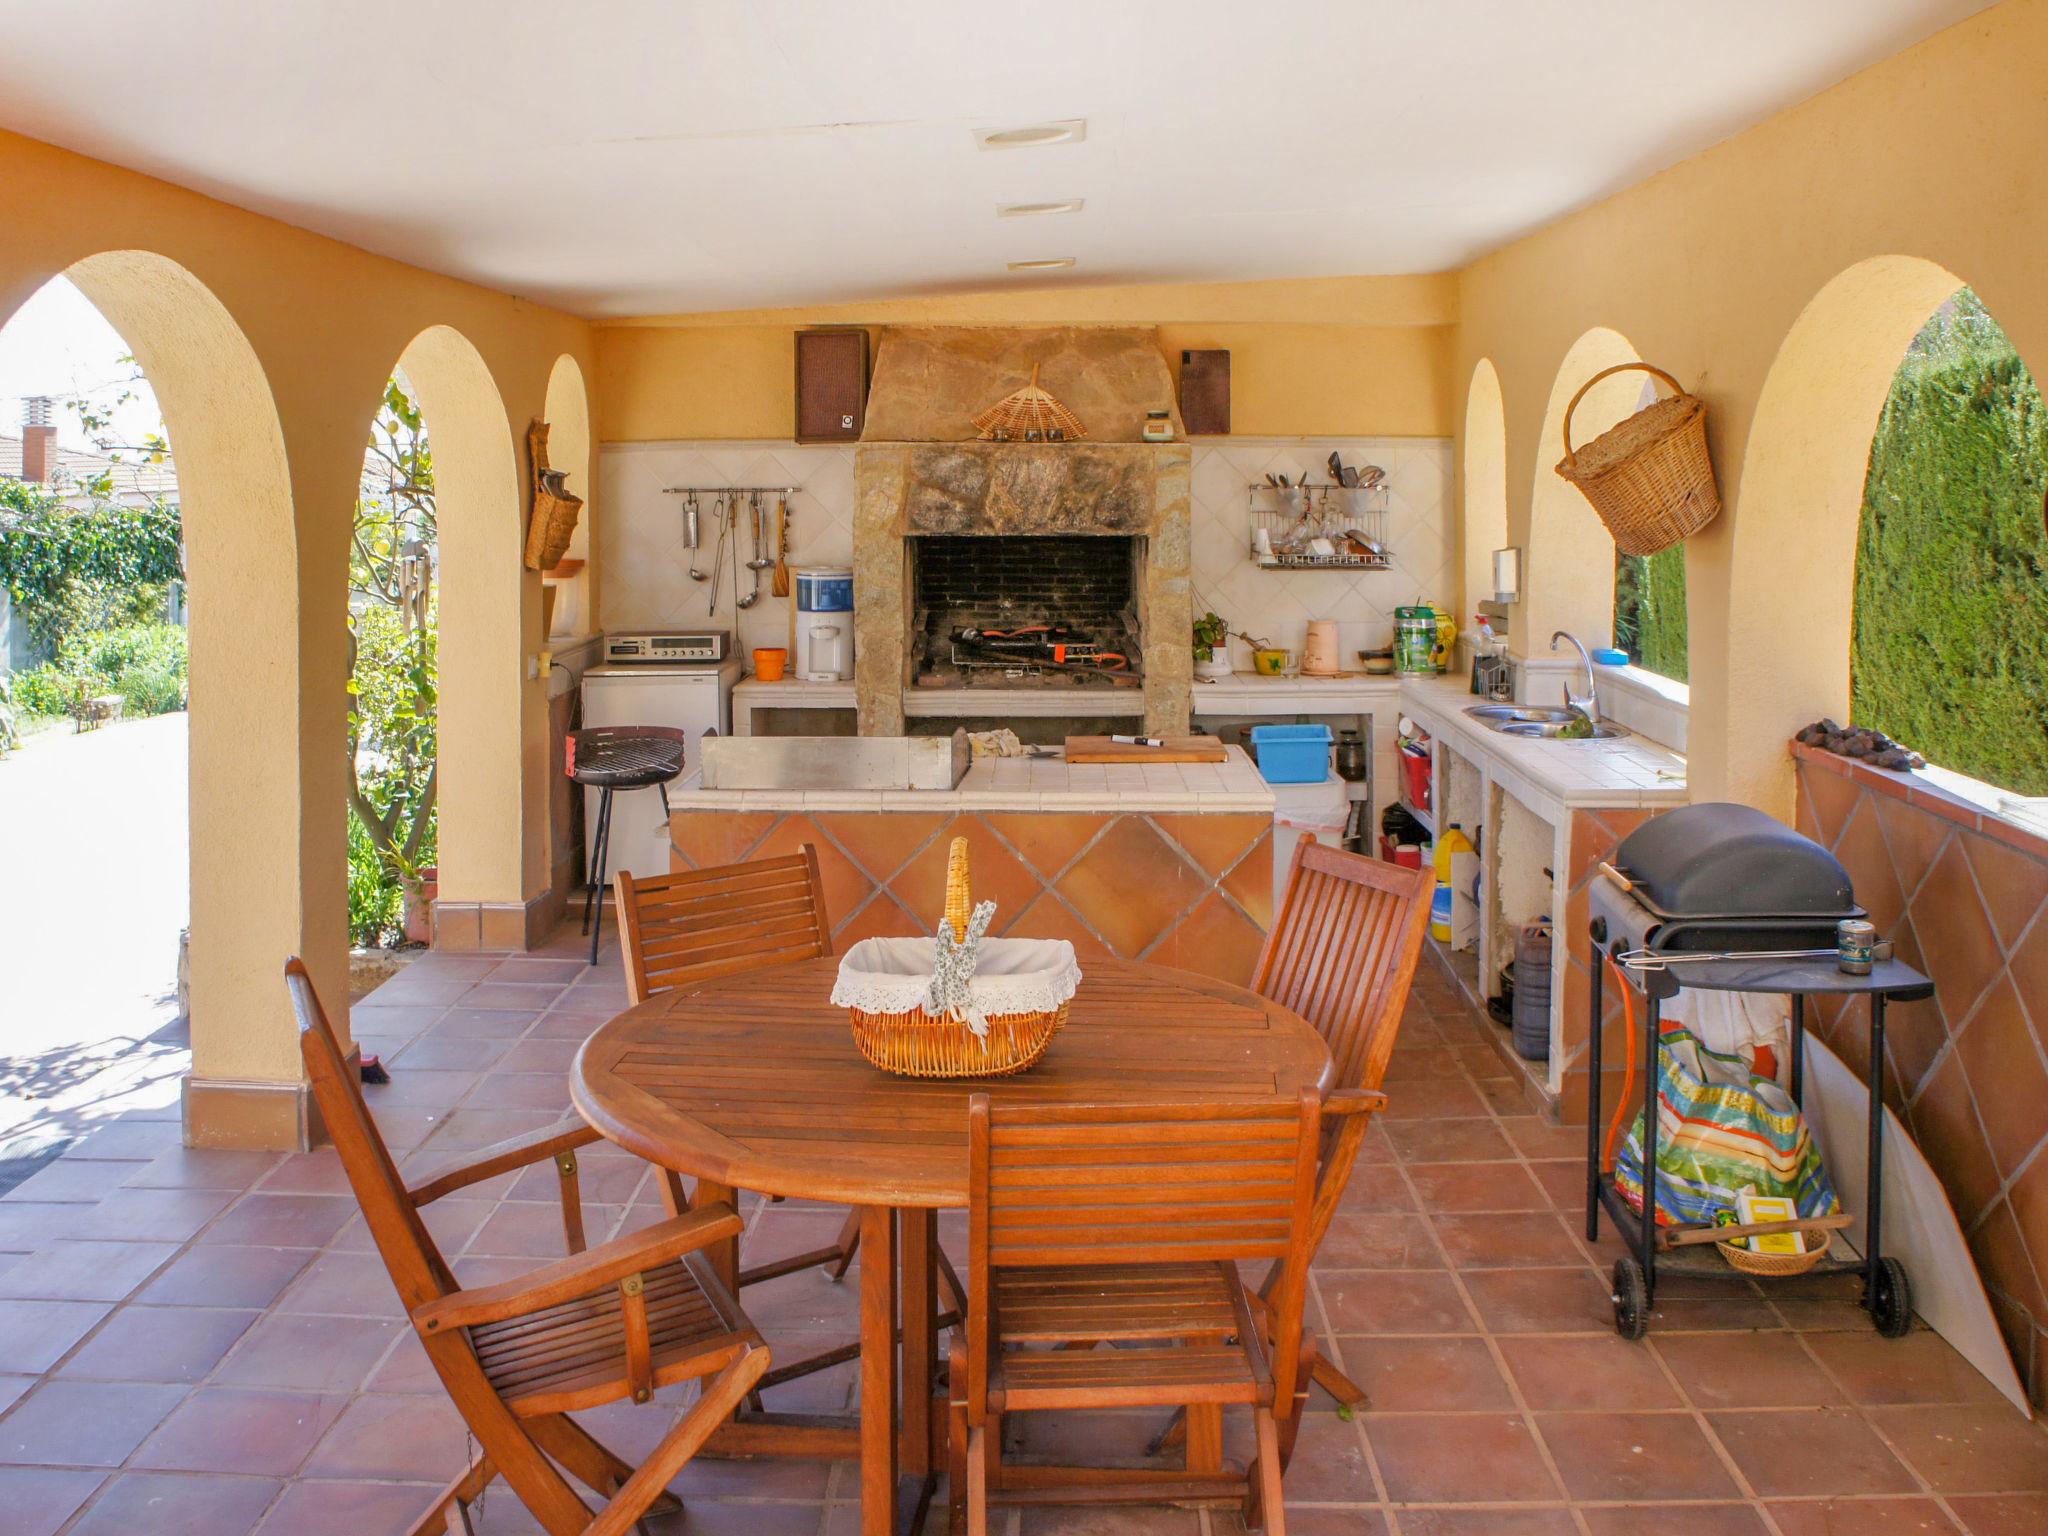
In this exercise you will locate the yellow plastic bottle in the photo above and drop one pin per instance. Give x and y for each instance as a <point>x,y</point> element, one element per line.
<point>1453,841</point>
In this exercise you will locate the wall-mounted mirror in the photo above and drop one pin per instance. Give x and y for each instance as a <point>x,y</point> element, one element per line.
<point>1507,575</point>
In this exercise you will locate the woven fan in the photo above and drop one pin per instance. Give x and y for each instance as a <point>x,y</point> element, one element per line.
<point>1029,410</point>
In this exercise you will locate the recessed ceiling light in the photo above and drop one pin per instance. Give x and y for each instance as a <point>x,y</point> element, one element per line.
<point>1042,264</point>
<point>1031,210</point>
<point>1070,130</point>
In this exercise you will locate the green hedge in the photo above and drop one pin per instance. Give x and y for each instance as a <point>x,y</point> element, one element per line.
<point>1950,653</point>
<point>144,663</point>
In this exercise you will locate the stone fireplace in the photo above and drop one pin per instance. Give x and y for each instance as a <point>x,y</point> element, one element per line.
<point>1062,521</point>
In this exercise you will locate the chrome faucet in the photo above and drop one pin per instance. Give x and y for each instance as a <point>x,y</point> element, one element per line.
<point>1588,703</point>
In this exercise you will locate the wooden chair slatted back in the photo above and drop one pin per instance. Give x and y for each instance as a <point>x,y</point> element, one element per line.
<point>1090,1185</point>
<point>1343,950</point>
<point>705,923</point>
<point>409,1253</point>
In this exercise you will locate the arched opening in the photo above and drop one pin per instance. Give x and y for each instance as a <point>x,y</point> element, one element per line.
<point>568,417</point>
<point>245,765</point>
<point>1570,577</point>
<point>1485,472</point>
<point>1793,555</point>
<point>488,837</point>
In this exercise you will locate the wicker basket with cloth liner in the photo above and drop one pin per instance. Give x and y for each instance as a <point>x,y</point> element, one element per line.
<point>1649,476</point>
<point>1017,1000</point>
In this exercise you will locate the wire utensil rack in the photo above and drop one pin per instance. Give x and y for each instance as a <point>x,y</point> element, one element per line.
<point>1318,527</point>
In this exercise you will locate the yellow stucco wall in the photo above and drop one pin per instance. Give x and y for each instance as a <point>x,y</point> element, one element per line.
<point>1369,356</point>
<point>1936,153</point>
<point>323,324</point>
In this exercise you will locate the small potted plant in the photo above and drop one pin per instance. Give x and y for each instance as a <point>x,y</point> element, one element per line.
<point>1212,646</point>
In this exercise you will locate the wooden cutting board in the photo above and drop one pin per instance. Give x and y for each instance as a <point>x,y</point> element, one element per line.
<point>1178,749</point>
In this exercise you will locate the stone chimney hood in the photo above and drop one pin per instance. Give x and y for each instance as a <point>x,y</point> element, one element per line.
<point>931,381</point>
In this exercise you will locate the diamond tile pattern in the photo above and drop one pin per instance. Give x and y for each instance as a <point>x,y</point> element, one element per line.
<point>1454,1286</point>
<point>1969,1069</point>
<point>1189,891</point>
<point>643,564</point>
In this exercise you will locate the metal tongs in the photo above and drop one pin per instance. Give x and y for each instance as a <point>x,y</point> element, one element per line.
<point>1663,960</point>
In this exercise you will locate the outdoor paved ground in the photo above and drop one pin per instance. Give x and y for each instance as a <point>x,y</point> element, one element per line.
<point>93,893</point>
<point>203,1344</point>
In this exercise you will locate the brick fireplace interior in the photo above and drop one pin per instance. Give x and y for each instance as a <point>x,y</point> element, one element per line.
<point>1049,610</point>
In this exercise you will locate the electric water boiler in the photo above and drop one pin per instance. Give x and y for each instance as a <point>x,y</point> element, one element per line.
<point>824,624</point>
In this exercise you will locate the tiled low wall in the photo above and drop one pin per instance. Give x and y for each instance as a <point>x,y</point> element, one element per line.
<point>1183,890</point>
<point>1963,895</point>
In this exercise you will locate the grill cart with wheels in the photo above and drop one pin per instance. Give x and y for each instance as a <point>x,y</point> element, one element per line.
<point>1685,1248</point>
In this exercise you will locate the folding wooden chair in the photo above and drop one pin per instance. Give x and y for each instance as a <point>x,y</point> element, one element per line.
<point>1126,1226</point>
<point>616,1321</point>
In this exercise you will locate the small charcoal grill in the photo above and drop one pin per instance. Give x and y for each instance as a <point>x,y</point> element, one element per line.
<point>1718,878</point>
<point>1725,898</point>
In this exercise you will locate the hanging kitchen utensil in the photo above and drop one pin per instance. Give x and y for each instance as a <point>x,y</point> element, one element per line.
<point>778,585</point>
<point>759,563</point>
<point>693,530</point>
<point>718,511</point>
<point>748,601</point>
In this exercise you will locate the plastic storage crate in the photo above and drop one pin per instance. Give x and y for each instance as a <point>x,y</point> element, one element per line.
<point>1292,754</point>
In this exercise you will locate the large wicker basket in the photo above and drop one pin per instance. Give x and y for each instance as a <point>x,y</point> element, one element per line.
<point>1649,477</point>
<point>913,1042</point>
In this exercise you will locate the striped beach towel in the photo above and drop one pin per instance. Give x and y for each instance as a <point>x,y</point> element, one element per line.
<point>1721,1130</point>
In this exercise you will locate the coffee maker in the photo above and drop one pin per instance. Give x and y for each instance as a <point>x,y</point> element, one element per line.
<point>824,624</point>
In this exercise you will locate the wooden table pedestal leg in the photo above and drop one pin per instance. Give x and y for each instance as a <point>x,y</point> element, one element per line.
<point>878,1433</point>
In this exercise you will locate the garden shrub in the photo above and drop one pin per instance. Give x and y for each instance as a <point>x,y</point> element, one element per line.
<point>1950,650</point>
<point>144,663</point>
<point>376,901</point>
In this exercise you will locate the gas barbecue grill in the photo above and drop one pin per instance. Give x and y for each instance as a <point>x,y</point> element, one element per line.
<point>1725,898</point>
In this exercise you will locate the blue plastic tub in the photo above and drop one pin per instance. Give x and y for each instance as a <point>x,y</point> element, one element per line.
<point>1292,754</point>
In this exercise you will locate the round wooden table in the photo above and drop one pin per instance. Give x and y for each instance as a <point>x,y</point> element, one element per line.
<point>752,1082</point>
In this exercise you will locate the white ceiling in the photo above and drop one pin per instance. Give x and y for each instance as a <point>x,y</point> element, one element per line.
<point>644,156</point>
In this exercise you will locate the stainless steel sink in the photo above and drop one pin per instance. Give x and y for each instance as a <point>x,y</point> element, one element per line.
<point>1553,730</point>
<point>1544,722</point>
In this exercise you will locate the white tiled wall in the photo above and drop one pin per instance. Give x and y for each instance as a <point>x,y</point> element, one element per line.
<point>643,562</point>
<point>1277,605</point>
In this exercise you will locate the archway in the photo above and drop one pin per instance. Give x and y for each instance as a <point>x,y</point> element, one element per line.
<point>1794,536</point>
<point>1570,578</point>
<point>247,772</point>
<point>489,835</point>
<point>1485,471</point>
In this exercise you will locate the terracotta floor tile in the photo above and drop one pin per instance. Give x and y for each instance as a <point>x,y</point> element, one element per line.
<point>1138,1520</point>
<point>1506,1240</point>
<point>144,1343</point>
<point>1377,1187</point>
<point>1459,1458</point>
<point>346,1285</point>
<point>308,1354</point>
<point>1825,1451</point>
<point>1449,1141</point>
<point>2010,1514</point>
<point>439,1054</point>
<point>1440,1098</point>
<point>1871,1517</point>
<point>129,1139</point>
<point>1498,1521</point>
<point>176,1504</point>
<point>1329,1464</point>
<point>329,1508</point>
<point>1588,1372</point>
<point>1753,1370</point>
<point>226,1277</point>
<point>1393,1301</point>
<point>35,1335</point>
<point>39,1500</point>
<point>1379,1240</point>
<point>1428,1375</point>
<point>83,1423</point>
<point>1991,1449</point>
<point>153,1215</point>
<point>307,1173</point>
<point>1541,1300</point>
<point>83,1271</point>
<point>224,1429</point>
<point>1635,1457</point>
<point>1668,1519</point>
<point>403,1438</point>
<point>28,1224</point>
<point>1923,1367</point>
<point>83,1179</point>
<point>264,1220</point>
<point>204,1168</point>
<point>1445,1187</point>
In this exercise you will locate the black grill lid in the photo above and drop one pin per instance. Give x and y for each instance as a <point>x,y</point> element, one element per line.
<point>1715,859</point>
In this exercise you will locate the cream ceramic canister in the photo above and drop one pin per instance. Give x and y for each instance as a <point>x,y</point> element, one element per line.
<point>1319,655</point>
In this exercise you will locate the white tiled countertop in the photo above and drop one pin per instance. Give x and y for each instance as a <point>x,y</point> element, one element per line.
<point>1025,784</point>
<point>1625,771</point>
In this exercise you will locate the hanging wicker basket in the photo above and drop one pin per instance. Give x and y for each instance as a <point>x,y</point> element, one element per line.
<point>555,510</point>
<point>1030,410</point>
<point>1649,477</point>
<point>882,983</point>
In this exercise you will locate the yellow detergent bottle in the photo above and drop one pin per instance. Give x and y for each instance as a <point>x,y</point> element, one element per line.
<point>1453,841</point>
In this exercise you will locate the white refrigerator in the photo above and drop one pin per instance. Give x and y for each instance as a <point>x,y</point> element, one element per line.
<point>697,696</point>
